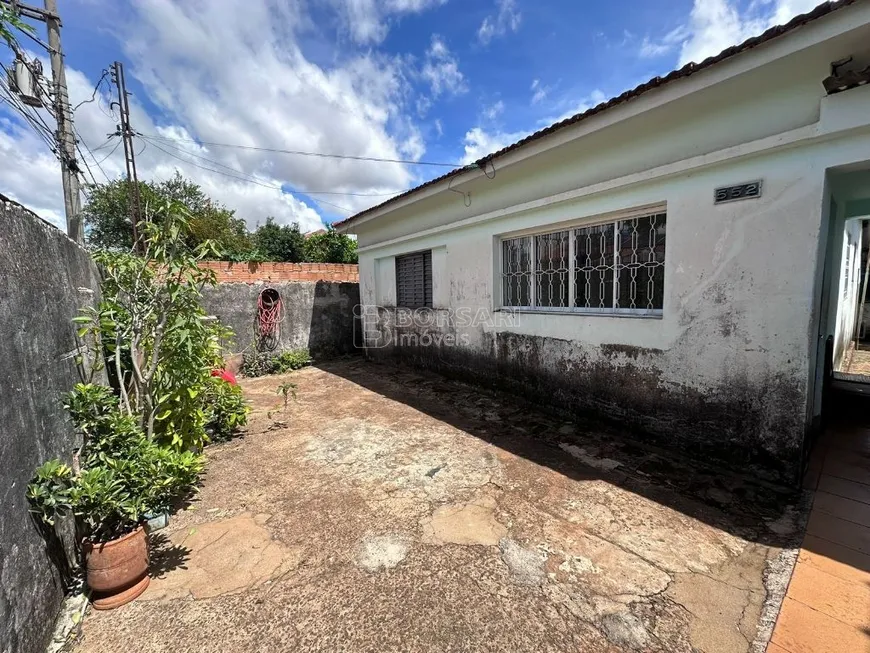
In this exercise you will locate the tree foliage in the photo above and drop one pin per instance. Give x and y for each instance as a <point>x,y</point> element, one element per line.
<point>280,243</point>
<point>330,246</point>
<point>108,225</point>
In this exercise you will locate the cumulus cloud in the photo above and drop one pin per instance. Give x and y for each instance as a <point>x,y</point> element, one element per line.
<point>506,19</point>
<point>479,142</point>
<point>237,74</point>
<point>714,25</point>
<point>441,69</point>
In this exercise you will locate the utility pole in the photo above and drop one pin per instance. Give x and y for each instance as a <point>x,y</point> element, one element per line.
<point>65,135</point>
<point>129,154</point>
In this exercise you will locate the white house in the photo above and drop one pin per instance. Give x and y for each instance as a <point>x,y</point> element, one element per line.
<point>674,258</point>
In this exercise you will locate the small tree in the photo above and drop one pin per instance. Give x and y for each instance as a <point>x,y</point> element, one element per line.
<point>151,332</point>
<point>330,247</point>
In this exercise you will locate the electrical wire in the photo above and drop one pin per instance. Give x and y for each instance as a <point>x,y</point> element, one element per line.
<point>240,178</point>
<point>32,118</point>
<point>117,145</point>
<point>94,94</point>
<point>307,192</point>
<point>87,167</point>
<point>82,141</point>
<point>302,153</point>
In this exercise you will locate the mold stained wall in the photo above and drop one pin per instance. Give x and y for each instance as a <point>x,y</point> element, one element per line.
<point>729,369</point>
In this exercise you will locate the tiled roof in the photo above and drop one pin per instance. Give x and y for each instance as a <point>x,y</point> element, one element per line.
<point>655,82</point>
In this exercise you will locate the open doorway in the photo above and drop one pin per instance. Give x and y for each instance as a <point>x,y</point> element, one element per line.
<point>852,339</point>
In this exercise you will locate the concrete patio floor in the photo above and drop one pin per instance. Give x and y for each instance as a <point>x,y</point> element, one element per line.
<point>387,510</point>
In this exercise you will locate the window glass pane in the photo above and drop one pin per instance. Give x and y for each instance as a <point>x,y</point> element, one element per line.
<point>551,269</point>
<point>517,271</point>
<point>593,267</point>
<point>641,263</point>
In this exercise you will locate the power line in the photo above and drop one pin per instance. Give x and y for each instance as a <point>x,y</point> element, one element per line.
<point>239,177</point>
<point>105,158</point>
<point>82,141</point>
<point>306,192</point>
<point>302,153</point>
<point>94,94</point>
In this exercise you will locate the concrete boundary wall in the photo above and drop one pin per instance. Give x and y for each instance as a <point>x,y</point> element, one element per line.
<point>44,279</point>
<point>314,315</point>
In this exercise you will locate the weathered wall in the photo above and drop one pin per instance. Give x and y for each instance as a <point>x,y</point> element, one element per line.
<point>44,279</point>
<point>725,371</point>
<point>318,316</point>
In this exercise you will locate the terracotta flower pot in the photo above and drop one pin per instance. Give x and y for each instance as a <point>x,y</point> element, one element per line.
<point>117,569</point>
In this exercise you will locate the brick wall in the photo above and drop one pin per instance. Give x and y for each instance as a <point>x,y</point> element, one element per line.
<point>228,272</point>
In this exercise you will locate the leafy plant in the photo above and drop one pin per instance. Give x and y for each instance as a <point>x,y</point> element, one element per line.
<point>292,359</point>
<point>226,410</point>
<point>256,363</point>
<point>151,332</point>
<point>123,476</point>
<point>288,390</point>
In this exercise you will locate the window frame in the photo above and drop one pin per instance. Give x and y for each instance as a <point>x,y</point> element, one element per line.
<point>613,219</point>
<point>424,253</point>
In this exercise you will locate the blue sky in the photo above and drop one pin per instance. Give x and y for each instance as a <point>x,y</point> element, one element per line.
<point>433,80</point>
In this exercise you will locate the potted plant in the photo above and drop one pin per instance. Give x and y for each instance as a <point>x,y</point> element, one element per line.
<point>118,477</point>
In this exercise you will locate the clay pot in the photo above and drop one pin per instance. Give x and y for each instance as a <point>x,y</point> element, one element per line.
<point>117,569</point>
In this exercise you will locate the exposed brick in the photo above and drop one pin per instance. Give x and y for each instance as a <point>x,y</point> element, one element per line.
<point>229,272</point>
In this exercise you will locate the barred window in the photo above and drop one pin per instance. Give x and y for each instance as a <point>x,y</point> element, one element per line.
<point>414,280</point>
<point>616,267</point>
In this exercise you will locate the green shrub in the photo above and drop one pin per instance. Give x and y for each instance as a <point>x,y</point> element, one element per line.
<point>292,359</point>
<point>123,474</point>
<point>226,410</point>
<point>257,363</point>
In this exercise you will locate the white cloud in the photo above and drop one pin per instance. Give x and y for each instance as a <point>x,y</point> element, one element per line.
<point>441,70</point>
<point>493,111</point>
<point>539,91</point>
<point>714,25</point>
<point>478,143</point>
<point>236,74</point>
<point>368,21</point>
<point>507,19</point>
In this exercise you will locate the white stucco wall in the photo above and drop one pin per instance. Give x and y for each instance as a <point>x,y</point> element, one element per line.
<point>730,363</point>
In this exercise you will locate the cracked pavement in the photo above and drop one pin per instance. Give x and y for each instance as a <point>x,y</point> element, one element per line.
<point>388,510</point>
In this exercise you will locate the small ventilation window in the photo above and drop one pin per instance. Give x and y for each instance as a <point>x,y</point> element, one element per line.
<point>414,280</point>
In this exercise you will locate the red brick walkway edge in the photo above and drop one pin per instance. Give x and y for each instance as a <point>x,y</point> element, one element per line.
<point>229,272</point>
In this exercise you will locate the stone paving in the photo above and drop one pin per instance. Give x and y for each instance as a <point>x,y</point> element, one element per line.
<point>386,510</point>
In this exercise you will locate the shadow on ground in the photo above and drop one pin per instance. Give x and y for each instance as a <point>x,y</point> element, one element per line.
<point>723,498</point>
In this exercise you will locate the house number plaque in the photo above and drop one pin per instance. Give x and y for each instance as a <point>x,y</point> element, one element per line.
<point>747,191</point>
